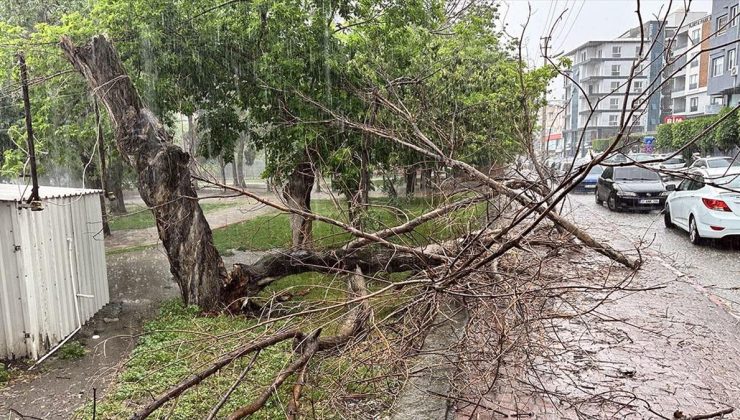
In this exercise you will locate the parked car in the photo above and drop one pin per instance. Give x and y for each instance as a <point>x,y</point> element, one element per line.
<point>671,167</point>
<point>715,162</point>
<point>640,157</point>
<point>672,163</point>
<point>706,204</point>
<point>588,183</point>
<point>631,187</point>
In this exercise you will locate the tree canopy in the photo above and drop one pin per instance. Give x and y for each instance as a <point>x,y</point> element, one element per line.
<point>457,72</point>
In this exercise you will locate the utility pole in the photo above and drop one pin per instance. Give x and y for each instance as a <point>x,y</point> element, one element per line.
<point>543,136</point>
<point>103,171</point>
<point>34,197</point>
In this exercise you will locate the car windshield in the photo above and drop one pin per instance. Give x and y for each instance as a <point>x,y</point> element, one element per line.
<point>731,182</point>
<point>640,157</point>
<point>635,174</point>
<point>722,163</point>
<point>596,170</point>
<point>674,161</point>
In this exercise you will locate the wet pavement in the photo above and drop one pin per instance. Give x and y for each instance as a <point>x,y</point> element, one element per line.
<point>662,353</point>
<point>714,266</point>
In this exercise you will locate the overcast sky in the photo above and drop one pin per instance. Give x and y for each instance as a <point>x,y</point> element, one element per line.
<point>583,20</point>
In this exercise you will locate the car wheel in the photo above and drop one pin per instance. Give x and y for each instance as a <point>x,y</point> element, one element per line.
<point>667,218</point>
<point>611,202</point>
<point>694,232</point>
<point>598,200</point>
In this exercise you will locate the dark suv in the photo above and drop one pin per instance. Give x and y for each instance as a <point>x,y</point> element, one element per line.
<point>631,188</point>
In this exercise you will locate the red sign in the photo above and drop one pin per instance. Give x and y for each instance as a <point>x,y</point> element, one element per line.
<point>673,118</point>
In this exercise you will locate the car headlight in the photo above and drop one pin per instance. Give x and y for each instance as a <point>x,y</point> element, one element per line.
<point>665,193</point>
<point>626,194</point>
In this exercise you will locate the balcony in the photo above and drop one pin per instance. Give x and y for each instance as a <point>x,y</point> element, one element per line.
<point>712,109</point>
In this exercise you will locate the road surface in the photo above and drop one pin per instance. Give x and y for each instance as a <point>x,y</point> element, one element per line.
<point>714,266</point>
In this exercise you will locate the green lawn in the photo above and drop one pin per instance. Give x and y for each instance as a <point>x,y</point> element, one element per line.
<point>140,217</point>
<point>177,342</point>
<point>273,231</point>
<point>181,341</point>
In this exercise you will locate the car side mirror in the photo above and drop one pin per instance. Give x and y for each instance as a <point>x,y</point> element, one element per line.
<point>670,187</point>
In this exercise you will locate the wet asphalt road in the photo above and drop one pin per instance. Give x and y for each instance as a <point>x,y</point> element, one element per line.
<point>714,267</point>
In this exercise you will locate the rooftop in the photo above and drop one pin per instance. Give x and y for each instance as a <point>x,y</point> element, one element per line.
<point>18,192</point>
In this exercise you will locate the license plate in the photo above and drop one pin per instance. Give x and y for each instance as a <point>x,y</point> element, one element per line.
<point>652,201</point>
<point>590,186</point>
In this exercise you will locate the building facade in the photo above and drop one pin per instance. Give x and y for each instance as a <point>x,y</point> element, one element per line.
<point>551,121</point>
<point>598,80</point>
<point>686,95</point>
<point>724,86</point>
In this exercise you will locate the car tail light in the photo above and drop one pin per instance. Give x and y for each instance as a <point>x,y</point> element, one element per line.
<point>713,204</point>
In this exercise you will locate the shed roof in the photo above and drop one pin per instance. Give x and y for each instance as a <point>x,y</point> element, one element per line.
<point>15,192</point>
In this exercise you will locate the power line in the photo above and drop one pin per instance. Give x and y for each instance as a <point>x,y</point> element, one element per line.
<point>572,23</point>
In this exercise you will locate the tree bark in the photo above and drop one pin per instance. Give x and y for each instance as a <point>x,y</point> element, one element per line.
<point>222,166</point>
<point>297,195</point>
<point>250,279</point>
<point>103,171</point>
<point>162,169</point>
<point>117,206</point>
<point>389,187</point>
<point>239,162</point>
<point>364,198</point>
<point>410,181</point>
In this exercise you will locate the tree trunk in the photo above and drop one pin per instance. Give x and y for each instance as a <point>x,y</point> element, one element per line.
<point>426,180</point>
<point>163,171</point>
<point>222,166</point>
<point>390,188</point>
<point>364,197</point>
<point>410,181</point>
<point>297,195</point>
<point>117,206</point>
<point>103,171</point>
<point>239,162</point>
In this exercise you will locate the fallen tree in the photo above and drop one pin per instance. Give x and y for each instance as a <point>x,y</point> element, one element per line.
<point>165,185</point>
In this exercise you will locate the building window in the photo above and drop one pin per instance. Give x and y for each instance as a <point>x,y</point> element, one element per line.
<point>733,15</point>
<point>614,86</point>
<point>718,66</point>
<point>693,104</point>
<point>637,87</point>
<point>613,103</point>
<point>717,100</point>
<point>613,120</point>
<point>637,51</point>
<point>695,62</point>
<point>599,54</point>
<point>731,59</point>
<point>721,27</point>
<point>696,36</point>
<point>583,56</point>
<point>635,120</point>
<point>616,70</point>
<point>693,81</point>
<point>616,52</point>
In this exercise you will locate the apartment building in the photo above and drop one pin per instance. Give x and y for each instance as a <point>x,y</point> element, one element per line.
<point>686,96</point>
<point>551,121</point>
<point>601,69</point>
<point>723,87</point>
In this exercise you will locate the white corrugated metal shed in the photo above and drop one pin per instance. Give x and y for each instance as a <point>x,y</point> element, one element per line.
<point>52,267</point>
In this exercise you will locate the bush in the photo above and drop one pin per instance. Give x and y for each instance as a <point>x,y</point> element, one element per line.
<point>725,135</point>
<point>71,351</point>
<point>664,137</point>
<point>4,374</point>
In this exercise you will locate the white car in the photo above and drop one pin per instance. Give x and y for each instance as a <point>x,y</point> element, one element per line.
<point>715,162</point>
<point>706,204</point>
